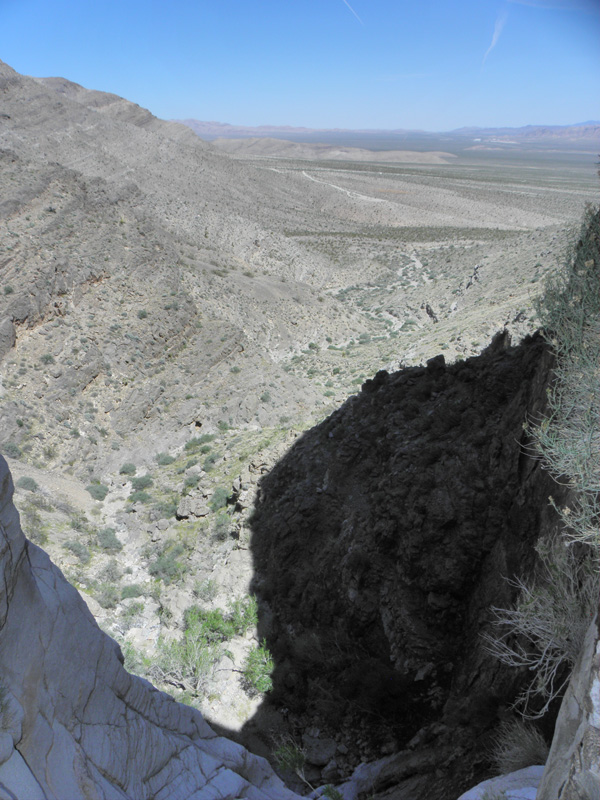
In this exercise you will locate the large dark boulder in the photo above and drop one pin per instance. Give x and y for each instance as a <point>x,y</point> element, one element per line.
<point>382,539</point>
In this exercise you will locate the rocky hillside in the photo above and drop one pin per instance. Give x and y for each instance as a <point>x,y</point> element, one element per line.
<point>74,722</point>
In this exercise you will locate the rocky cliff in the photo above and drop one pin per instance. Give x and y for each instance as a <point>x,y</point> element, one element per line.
<point>74,723</point>
<point>380,542</point>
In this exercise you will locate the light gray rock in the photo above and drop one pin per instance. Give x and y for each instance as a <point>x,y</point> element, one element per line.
<point>74,723</point>
<point>573,766</point>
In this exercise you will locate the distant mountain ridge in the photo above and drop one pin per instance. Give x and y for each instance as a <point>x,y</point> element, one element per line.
<point>589,130</point>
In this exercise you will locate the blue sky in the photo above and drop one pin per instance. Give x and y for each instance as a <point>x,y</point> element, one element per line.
<point>429,64</point>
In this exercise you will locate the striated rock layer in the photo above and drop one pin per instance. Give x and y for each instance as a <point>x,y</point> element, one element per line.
<point>74,723</point>
<point>380,542</point>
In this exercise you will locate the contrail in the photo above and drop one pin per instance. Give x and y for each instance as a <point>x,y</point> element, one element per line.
<point>497,31</point>
<point>353,11</point>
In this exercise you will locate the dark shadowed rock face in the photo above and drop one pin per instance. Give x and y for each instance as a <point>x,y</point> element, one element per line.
<point>380,542</point>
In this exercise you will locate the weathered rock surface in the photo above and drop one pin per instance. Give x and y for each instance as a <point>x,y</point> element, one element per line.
<point>380,542</point>
<point>573,768</point>
<point>75,724</point>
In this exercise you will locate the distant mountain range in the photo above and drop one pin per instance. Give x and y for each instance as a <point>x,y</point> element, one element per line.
<point>581,132</point>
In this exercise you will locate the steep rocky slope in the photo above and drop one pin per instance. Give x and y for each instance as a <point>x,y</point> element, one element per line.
<point>74,722</point>
<point>380,542</point>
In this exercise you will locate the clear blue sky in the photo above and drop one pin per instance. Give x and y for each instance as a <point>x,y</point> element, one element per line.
<point>430,64</point>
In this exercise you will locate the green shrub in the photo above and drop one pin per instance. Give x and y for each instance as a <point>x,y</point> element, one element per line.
<point>97,490</point>
<point>8,289</point>
<point>111,572</point>
<point>128,469</point>
<point>256,673</point>
<point>205,590</point>
<point>167,567</point>
<point>108,541</point>
<point>12,450</point>
<point>79,550</point>
<point>219,498</point>
<point>210,461</point>
<point>198,441</point>
<point>143,482</point>
<point>132,590</point>
<point>188,662</point>
<point>25,482</point>
<point>139,497</point>
<point>107,595</point>
<point>142,313</point>
<point>222,526</point>
<point>235,370</point>
<point>47,358</point>
<point>167,508</point>
<point>164,459</point>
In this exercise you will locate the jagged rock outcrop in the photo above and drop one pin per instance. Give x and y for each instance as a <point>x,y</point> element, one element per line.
<point>75,724</point>
<point>380,542</point>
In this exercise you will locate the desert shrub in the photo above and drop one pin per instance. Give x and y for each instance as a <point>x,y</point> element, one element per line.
<point>25,482</point>
<point>132,613</point>
<point>205,590</point>
<point>219,498</point>
<point>142,313</point>
<point>188,662</point>
<point>265,397</point>
<point>550,621</point>
<point>12,450</point>
<point>223,425</point>
<point>139,497</point>
<point>132,590</point>
<point>8,289</point>
<point>569,438</point>
<point>47,358</point>
<point>210,461</point>
<point>198,441</point>
<point>222,526</point>
<point>128,469</point>
<point>244,614</point>
<point>235,370</point>
<point>190,482</point>
<point>79,550</point>
<point>97,490</point>
<point>111,572</point>
<point>167,508</point>
<point>143,482</point>
<point>107,540</point>
<point>164,459</point>
<point>516,745</point>
<point>256,673</point>
<point>545,631</point>
<point>167,567</point>
<point>107,595</point>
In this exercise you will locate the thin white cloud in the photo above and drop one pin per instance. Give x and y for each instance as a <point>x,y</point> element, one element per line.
<point>353,11</point>
<point>498,27</point>
<point>562,5</point>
